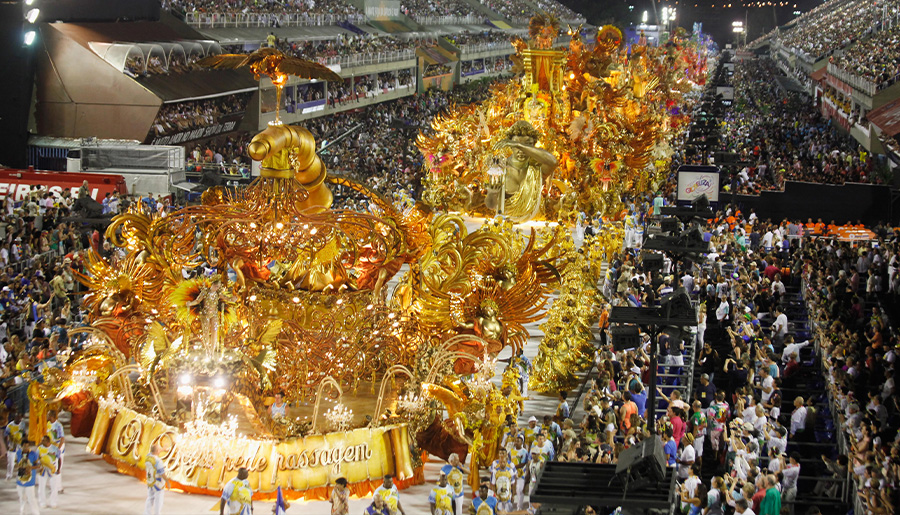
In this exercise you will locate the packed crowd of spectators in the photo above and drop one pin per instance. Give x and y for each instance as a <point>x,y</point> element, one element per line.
<point>385,160</point>
<point>559,10</point>
<point>859,348</point>
<point>784,138</point>
<point>469,67</point>
<point>842,23</point>
<point>197,114</point>
<point>433,70</point>
<point>876,59</point>
<point>303,7</point>
<point>382,152</point>
<point>177,63</point>
<point>341,46</point>
<point>473,38</point>
<point>752,434</point>
<point>39,304</point>
<point>511,9</point>
<point>436,8</point>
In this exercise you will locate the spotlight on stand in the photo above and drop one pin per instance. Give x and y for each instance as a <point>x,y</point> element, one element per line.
<point>625,337</point>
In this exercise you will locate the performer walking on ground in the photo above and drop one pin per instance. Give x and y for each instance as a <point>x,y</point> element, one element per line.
<point>156,481</point>
<point>237,495</point>
<point>49,455</point>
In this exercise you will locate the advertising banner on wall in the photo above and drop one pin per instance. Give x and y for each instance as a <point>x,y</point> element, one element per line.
<point>694,181</point>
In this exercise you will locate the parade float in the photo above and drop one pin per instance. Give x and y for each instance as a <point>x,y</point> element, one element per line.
<point>381,329</point>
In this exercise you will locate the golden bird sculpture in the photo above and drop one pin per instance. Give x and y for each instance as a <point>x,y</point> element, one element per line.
<point>274,64</point>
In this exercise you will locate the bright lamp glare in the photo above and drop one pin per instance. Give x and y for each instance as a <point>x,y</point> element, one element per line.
<point>29,2</point>
<point>32,15</point>
<point>29,37</point>
<point>185,379</point>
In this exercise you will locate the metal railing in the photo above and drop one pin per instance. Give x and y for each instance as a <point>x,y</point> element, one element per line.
<point>380,57</point>
<point>867,86</point>
<point>226,20</point>
<point>843,443</point>
<point>28,262</point>
<point>471,48</point>
<point>447,20</point>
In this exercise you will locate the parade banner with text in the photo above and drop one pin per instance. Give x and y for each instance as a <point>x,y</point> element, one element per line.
<point>302,467</point>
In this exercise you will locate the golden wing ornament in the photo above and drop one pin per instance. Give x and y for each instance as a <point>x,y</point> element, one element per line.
<point>307,69</point>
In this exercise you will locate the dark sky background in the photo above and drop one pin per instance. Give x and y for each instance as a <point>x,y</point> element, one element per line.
<point>716,20</point>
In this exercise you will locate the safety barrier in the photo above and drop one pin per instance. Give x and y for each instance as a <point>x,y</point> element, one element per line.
<point>227,20</point>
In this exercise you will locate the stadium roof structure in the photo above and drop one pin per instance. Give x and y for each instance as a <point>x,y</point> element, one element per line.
<point>887,118</point>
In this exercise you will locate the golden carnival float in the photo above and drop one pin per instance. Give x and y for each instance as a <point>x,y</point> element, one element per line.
<point>258,329</point>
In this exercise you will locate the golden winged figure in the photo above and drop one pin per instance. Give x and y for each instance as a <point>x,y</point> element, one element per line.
<point>274,64</point>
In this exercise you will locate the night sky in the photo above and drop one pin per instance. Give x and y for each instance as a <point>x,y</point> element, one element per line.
<point>716,20</point>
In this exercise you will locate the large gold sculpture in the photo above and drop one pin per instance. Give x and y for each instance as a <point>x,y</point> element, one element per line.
<point>605,115</point>
<point>267,288</point>
<point>517,195</point>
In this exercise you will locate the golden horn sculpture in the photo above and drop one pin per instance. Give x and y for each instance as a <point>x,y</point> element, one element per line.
<point>288,151</point>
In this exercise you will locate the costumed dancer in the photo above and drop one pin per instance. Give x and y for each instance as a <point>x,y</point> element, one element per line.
<point>388,491</point>
<point>49,455</point>
<point>27,464</point>
<point>58,438</point>
<point>503,481</point>
<point>519,458</point>
<point>441,497</point>
<point>155,478</point>
<point>237,495</point>
<point>484,503</point>
<point>456,478</point>
<point>15,434</point>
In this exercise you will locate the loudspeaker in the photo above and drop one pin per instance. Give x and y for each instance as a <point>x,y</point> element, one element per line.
<point>625,337</point>
<point>651,261</point>
<point>642,464</point>
<point>669,225</point>
<point>677,305</point>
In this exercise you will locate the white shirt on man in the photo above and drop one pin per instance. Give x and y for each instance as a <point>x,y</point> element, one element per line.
<point>781,322</point>
<point>798,420</point>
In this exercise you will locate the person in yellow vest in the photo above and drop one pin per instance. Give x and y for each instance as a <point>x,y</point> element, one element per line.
<point>456,476</point>
<point>237,495</point>
<point>503,481</point>
<point>441,497</point>
<point>530,432</point>
<point>49,455</point>
<point>519,458</point>
<point>15,433</point>
<point>58,438</point>
<point>156,481</point>
<point>390,494</point>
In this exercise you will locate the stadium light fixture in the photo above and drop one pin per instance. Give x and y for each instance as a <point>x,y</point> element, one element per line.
<point>738,30</point>
<point>737,24</point>
<point>32,15</point>
<point>29,37</point>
